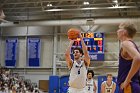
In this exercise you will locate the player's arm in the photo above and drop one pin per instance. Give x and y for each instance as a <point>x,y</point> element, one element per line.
<point>114,87</point>
<point>95,87</point>
<point>67,55</point>
<point>135,55</point>
<point>103,88</point>
<point>86,55</point>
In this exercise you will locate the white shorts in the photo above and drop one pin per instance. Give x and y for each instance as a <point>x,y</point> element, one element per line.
<point>75,90</point>
<point>89,91</point>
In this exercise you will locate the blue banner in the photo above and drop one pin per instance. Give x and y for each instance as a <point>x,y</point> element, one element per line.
<point>33,52</point>
<point>11,52</point>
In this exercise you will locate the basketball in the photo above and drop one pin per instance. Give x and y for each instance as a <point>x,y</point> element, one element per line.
<point>73,33</point>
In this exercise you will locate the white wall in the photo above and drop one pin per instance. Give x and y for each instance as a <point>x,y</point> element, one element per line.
<point>46,51</point>
<point>2,52</point>
<point>21,57</point>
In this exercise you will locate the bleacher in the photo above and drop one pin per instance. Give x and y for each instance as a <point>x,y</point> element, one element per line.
<point>14,83</point>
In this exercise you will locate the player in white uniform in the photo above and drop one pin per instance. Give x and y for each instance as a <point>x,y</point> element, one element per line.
<point>78,67</point>
<point>90,84</point>
<point>108,86</point>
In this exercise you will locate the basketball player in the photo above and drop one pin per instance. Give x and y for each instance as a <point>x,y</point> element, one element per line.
<point>90,85</point>
<point>108,86</point>
<point>129,60</point>
<point>78,67</point>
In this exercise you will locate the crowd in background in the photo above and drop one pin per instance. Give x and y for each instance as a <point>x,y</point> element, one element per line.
<point>13,83</point>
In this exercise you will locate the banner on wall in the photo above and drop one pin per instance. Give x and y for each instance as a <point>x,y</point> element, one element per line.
<point>11,52</point>
<point>33,52</point>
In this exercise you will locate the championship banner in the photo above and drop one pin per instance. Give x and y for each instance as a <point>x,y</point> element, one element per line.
<point>11,52</point>
<point>33,52</point>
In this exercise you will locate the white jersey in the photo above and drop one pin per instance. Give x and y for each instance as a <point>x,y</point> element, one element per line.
<point>78,75</point>
<point>108,89</point>
<point>90,86</point>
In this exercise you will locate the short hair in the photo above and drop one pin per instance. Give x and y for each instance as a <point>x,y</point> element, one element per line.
<point>109,75</point>
<point>130,28</point>
<point>90,71</point>
<point>80,50</point>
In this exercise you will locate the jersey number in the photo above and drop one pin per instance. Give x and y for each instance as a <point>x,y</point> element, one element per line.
<point>78,71</point>
<point>88,88</point>
<point>108,90</point>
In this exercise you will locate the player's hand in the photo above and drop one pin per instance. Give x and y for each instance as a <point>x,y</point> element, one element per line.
<point>124,84</point>
<point>80,36</point>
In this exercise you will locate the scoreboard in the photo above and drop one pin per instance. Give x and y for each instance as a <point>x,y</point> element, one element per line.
<point>94,43</point>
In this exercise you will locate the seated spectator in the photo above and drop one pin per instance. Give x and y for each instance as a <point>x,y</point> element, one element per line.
<point>108,86</point>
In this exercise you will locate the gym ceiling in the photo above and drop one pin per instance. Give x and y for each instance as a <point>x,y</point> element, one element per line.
<point>20,10</point>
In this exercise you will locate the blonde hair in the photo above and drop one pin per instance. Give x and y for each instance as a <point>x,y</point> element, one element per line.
<point>129,27</point>
<point>126,24</point>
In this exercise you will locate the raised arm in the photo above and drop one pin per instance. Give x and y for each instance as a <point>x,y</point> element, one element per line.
<point>86,55</point>
<point>135,55</point>
<point>67,54</point>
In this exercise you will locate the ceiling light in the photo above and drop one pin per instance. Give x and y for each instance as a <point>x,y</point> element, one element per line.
<point>86,3</point>
<point>115,1</point>
<point>49,4</point>
<point>91,8</point>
